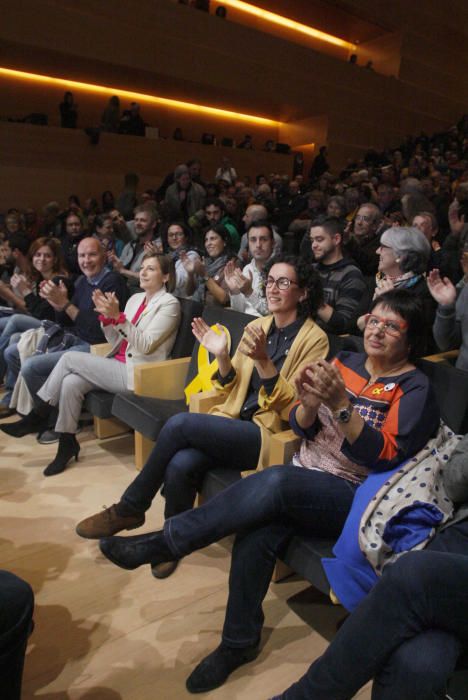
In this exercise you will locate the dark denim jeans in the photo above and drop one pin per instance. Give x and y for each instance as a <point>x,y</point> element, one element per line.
<point>189,445</point>
<point>265,510</point>
<point>407,634</point>
<point>12,328</point>
<point>16,610</point>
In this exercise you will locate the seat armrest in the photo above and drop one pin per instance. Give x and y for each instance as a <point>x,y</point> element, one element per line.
<point>283,447</point>
<point>100,349</point>
<point>442,356</point>
<point>163,380</point>
<point>205,400</point>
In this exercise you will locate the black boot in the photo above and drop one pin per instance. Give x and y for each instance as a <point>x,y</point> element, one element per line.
<point>32,423</point>
<point>215,668</point>
<point>68,448</point>
<point>132,552</point>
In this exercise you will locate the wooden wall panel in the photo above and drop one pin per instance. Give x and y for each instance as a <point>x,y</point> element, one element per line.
<point>39,164</point>
<point>170,49</point>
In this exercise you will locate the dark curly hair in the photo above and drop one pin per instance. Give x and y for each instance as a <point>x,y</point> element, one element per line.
<point>307,279</point>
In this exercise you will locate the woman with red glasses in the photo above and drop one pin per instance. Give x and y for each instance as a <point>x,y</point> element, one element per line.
<point>363,412</point>
<point>258,388</point>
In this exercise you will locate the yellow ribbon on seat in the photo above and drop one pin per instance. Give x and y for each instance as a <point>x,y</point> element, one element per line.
<point>206,369</point>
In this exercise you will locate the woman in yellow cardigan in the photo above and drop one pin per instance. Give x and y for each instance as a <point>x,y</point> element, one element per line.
<point>259,388</point>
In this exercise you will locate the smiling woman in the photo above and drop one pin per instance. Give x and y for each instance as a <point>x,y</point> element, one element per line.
<point>403,261</point>
<point>363,412</point>
<point>144,332</point>
<point>211,271</point>
<point>258,389</point>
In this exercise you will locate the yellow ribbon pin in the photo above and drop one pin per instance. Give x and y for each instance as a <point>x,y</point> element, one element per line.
<point>206,369</point>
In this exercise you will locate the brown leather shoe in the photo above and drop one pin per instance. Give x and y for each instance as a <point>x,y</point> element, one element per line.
<point>108,522</point>
<point>165,568</point>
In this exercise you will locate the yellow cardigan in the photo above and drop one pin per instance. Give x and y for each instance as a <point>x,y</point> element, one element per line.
<point>310,344</point>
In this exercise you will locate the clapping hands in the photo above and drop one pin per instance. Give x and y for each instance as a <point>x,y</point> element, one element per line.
<point>106,303</point>
<point>236,281</point>
<point>215,343</point>
<point>321,382</point>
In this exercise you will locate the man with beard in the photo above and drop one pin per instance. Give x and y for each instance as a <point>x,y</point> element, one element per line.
<point>344,288</point>
<point>364,241</point>
<point>131,258</point>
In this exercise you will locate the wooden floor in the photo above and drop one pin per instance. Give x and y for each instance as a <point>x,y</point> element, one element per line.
<point>107,634</point>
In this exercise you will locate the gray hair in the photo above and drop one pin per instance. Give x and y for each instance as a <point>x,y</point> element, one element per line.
<point>180,170</point>
<point>376,213</point>
<point>410,246</point>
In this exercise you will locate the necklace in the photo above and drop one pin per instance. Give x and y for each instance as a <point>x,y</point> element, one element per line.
<point>374,376</point>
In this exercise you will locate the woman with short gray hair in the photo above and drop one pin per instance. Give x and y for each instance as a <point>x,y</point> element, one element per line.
<point>404,253</point>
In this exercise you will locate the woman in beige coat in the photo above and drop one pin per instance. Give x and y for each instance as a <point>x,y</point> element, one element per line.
<point>144,332</point>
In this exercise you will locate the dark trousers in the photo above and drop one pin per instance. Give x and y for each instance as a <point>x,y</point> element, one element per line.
<point>265,510</point>
<point>189,445</point>
<point>407,634</point>
<point>16,610</point>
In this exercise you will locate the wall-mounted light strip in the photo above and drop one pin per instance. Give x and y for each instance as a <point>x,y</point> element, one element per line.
<point>141,97</point>
<point>286,22</point>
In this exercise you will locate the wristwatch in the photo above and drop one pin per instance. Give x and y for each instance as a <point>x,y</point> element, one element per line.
<point>343,415</point>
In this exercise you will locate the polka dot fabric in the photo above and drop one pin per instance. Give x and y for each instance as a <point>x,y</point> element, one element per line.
<point>410,494</point>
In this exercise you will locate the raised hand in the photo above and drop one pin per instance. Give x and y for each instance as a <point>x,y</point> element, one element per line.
<point>442,290</point>
<point>327,384</point>
<point>385,286</point>
<point>106,304</point>
<point>236,281</point>
<point>153,248</point>
<point>216,344</point>
<point>116,263</point>
<point>254,344</point>
<point>230,277</point>
<point>304,382</point>
<point>20,284</point>
<point>55,294</point>
<point>192,265</point>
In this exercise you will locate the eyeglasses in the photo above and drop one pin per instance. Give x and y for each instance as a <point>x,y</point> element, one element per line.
<point>363,217</point>
<point>176,234</point>
<point>390,327</point>
<point>281,282</point>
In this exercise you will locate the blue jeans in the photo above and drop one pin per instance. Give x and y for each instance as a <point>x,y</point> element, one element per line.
<point>265,510</point>
<point>16,610</point>
<point>407,634</point>
<point>189,445</point>
<point>11,328</point>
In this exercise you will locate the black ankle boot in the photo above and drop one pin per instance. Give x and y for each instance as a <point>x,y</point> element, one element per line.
<point>68,448</point>
<point>32,423</point>
<point>215,668</point>
<point>132,552</point>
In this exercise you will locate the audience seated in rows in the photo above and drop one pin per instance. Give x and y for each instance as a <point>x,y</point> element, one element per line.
<point>370,210</point>
<point>144,332</point>
<point>77,313</point>
<point>257,388</point>
<point>366,412</point>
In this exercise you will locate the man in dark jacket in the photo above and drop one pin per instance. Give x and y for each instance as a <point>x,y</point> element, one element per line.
<point>345,291</point>
<point>77,314</point>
